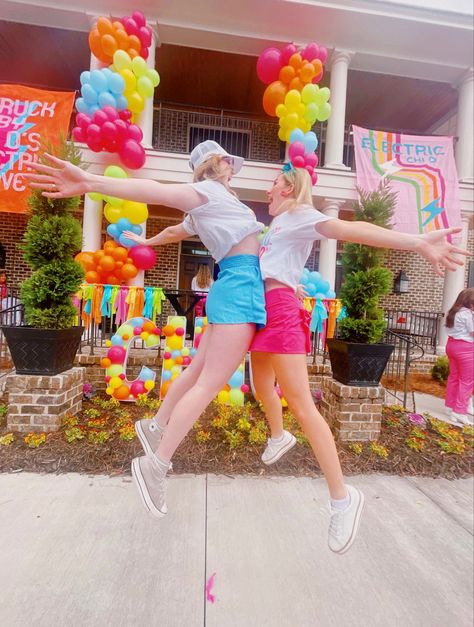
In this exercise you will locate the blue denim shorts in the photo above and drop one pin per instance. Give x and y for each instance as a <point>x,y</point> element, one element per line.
<point>238,295</point>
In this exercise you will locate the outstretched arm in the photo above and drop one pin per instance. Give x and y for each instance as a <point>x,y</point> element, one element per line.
<point>65,180</point>
<point>170,235</point>
<point>432,246</point>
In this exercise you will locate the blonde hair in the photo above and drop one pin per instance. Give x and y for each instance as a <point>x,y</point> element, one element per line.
<point>203,276</point>
<point>302,192</point>
<point>209,169</point>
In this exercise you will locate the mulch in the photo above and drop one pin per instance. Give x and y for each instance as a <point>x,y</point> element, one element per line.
<point>215,456</point>
<point>421,382</point>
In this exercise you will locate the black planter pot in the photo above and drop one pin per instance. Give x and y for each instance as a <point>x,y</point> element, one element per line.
<point>42,351</point>
<point>358,364</point>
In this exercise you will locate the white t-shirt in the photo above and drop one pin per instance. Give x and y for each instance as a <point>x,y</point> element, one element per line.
<point>463,327</point>
<point>195,287</point>
<point>287,244</point>
<point>222,222</point>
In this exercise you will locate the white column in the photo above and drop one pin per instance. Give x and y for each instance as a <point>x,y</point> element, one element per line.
<point>334,151</point>
<point>328,247</point>
<point>145,122</point>
<point>464,149</point>
<point>453,284</point>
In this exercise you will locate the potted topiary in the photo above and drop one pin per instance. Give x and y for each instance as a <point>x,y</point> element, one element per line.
<point>356,354</point>
<point>48,343</point>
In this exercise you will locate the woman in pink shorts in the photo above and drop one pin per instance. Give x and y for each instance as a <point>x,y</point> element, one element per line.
<point>279,350</point>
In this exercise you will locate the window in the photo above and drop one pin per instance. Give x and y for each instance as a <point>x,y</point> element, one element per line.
<point>236,142</point>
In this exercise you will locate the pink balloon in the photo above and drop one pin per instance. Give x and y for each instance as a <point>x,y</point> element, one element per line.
<point>298,161</point>
<point>132,154</point>
<point>116,354</point>
<point>311,158</point>
<point>179,331</point>
<point>314,178</point>
<point>244,388</point>
<point>137,387</point>
<point>99,117</point>
<point>144,35</point>
<point>144,257</point>
<point>309,169</point>
<point>137,330</point>
<point>144,53</point>
<point>121,129</point>
<point>311,51</point>
<point>139,18</point>
<point>95,144</point>
<point>269,65</point>
<point>186,361</point>
<point>323,54</point>
<point>287,52</point>
<point>296,149</point>
<point>166,355</point>
<point>111,113</point>
<point>78,134</point>
<point>135,132</point>
<point>93,132</point>
<point>111,145</point>
<point>83,120</point>
<point>130,26</point>
<point>109,131</point>
<point>125,114</point>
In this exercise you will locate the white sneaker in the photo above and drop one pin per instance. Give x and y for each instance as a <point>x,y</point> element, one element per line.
<point>149,475</point>
<point>464,419</point>
<point>344,524</point>
<point>275,450</point>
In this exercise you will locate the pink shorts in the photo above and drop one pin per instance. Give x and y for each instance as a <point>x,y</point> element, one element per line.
<point>287,328</point>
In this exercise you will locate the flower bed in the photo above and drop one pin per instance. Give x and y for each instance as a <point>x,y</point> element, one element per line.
<point>230,440</point>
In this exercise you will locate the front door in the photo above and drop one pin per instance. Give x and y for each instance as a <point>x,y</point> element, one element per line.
<point>193,254</point>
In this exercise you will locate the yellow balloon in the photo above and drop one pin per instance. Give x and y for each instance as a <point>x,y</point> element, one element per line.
<point>122,60</point>
<point>139,66</point>
<point>175,342</point>
<point>136,103</point>
<point>152,340</point>
<point>154,77</point>
<point>175,376</point>
<point>223,396</point>
<point>136,212</point>
<point>149,385</point>
<point>281,111</point>
<point>109,391</point>
<point>282,135</point>
<point>130,81</point>
<point>112,214</point>
<point>115,382</point>
<point>168,364</point>
<point>292,99</point>
<point>185,351</point>
<point>144,335</point>
<point>144,86</point>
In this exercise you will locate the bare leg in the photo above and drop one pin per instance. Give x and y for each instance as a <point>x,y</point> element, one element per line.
<point>292,375</point>
<point>226,347</point>
<point>263,377</point>
<point>183,383</point>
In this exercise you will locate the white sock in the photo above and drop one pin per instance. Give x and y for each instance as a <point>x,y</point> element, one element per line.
<point>341,504</point>
<point>161,464</point>
<point>278,440</point>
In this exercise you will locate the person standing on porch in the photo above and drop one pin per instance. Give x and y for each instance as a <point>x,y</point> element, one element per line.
<point>201,283</point>
<point>460,352</point>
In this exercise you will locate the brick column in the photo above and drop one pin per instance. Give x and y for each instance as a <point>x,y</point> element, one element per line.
<point>38,403</point>
<point>354,412</point>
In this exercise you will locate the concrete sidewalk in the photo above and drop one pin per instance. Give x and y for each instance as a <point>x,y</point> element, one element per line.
<point>80,551</point>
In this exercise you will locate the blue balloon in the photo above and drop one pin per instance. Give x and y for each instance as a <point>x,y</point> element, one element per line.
<point>310,141</point>
<point>320,296</point>
<point>192,352</point>
<point>323,286</point>
<point>296,135</point>
<point>115,83</point>
<point>106,100</point>
<point>137,229</point>
<point>106,72</point>
<point>124,224</point>
<point>236,380</point>
<point>166,375</point>
<point>122,103</point>
<point>146,374</point>
<point>113,231</point>
<point>126,242</point>
<point>82,106</point>
<point>93,108</point>
<point>136,322</point>
<point>304,279</point>
<point>89,94</point>
<point>175,354</point>
<point>311,289</point>
<point>314,276</point>
<point>331,294</point>
<point>98,81</point>
<point>85,77</point>
<point>116,340</point>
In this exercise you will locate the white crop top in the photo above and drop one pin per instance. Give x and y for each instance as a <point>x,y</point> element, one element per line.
<point>463,328</point>
<point>287,244</point>
<point>222,222</point>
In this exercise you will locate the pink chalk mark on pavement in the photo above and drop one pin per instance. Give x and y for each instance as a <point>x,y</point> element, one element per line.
<point>210,582</point>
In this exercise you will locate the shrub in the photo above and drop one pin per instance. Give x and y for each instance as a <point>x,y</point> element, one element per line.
<point>440,370</point>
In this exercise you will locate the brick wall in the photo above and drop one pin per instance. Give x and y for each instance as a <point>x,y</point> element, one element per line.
<point>13,226</point>
<point>165,272</point>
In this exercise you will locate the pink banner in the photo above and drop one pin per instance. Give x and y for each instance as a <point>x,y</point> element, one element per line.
<point>421,170</point>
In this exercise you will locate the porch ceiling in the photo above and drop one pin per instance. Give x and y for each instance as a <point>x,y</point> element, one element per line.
<point>54,58</point>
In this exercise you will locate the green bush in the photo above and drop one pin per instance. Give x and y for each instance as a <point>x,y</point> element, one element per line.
<point>440,371</point>
<point>366,280</point>
<point>52,238</point>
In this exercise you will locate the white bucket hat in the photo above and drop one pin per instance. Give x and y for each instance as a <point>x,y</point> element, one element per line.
<point>207,149</point>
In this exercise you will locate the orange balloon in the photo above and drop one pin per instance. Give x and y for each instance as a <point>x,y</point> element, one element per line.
<point>98,255</point>
<point>307,73</point>
<point>296,60</point>
<point>109,45</point>
<point>274,95</point>
<point>86,260</point>
<point>297,84</point>
<point>96,46</point>
<point>168,330</point>
<point>92,277</point>
<point>121,37</point>
<point>112,280</point>
<point>104,26</point>
<point>149,327</point>
<point>287,73</point>
<point>178,361</point>
<point>107,263</point>
<point>129,271</point>
<point>110,243</point>
<point>132,53</point>
<point>118,26</point>
<point>134,43</point>
<point>164,388</point>
<point>119,253</point>
<point>128,260</point>
<point>122,392</point>
<point>105,362</point>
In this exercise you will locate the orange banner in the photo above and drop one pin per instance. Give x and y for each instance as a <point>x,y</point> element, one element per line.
<point>29,119</point>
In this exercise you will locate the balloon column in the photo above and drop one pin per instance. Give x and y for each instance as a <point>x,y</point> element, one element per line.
<point>112,97</point>
<point>294,96</point>
<point>315,286</point>
<point>176,354</point>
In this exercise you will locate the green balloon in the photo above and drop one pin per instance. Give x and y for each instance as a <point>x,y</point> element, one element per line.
<point>115,172</point>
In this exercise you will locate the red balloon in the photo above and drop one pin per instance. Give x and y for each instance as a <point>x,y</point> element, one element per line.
<point>179,331</point>
<point>140,19</point>
<point>132,154</point>
<point>314,178</point>
<point>298,161</point>
<point>116,354</point>
<point>309,169</point>
<point>111,145</point>
<point>311,52</point>
<point>296,149</point>
<point>144,257</point>
<point>135,132</point>
<point>109,131</point>
<point>288,51</point>
<point>99,117</point>
<point>78,134</point>
<point>93,132</point>
<point>311,158</point>
<point>121,129</point>
<point>130,25</point>
<point>125,114</point>
<point>111,113</point>
<point>269,65</point>
<point>144,35</point>
<point>83,120</point>
<point>138,387</point>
